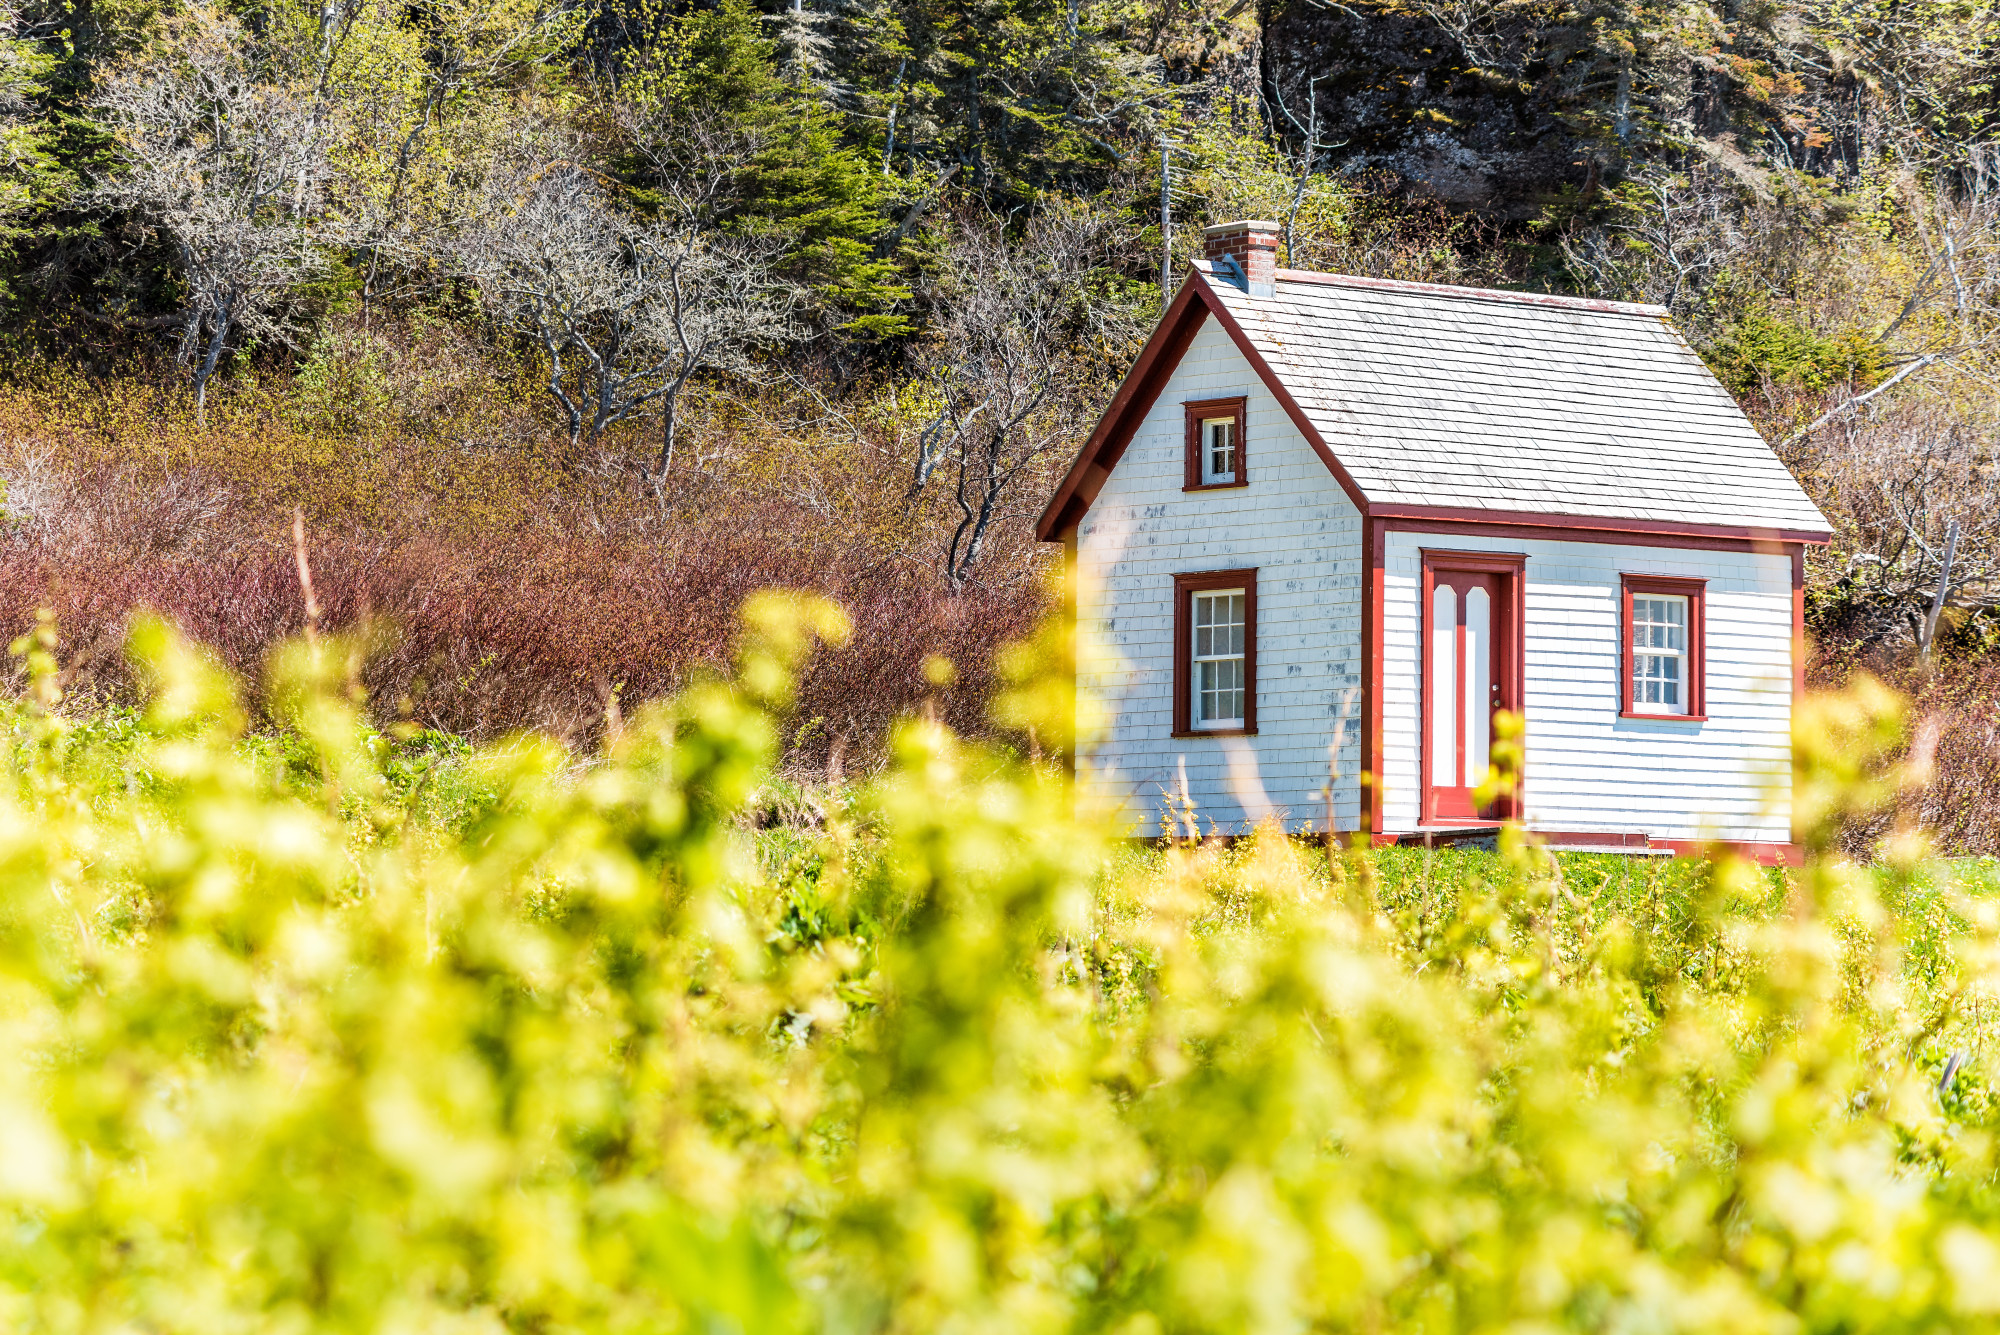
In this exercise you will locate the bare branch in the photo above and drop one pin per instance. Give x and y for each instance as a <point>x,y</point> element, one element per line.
<point>230,168</point>
<point>1008,393</point>
<point>627,310</point>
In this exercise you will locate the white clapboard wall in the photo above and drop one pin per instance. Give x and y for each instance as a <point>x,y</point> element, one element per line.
<point>1298,528</point>
<point>1587,769</point>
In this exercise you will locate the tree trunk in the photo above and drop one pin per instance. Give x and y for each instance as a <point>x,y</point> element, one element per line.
<point>1943,594</point>
<point>221,318</point>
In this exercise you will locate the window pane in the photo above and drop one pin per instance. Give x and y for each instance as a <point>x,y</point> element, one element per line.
<point>1219,449</point>
<point>1219,638</point>
<point>1478,665</point>
<point>1659,653</point>
<point>1659,622</point>
<point>1443,701</point>
<point>1222,690</point>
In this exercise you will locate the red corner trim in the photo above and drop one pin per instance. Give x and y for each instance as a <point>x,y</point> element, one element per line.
<point>1798,657</point>
<point>1798,625</point>
<point>1374,557</point>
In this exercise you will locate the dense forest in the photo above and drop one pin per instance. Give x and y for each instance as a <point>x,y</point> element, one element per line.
<point>551,328</point>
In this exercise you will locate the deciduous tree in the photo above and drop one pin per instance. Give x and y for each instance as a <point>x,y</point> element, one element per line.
<point>1009,368</point>
<point>627,310</point>
<point>229,169</point>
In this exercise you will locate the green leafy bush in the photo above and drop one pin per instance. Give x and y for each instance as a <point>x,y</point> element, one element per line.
<point>1761,349</point>
<point>579,1049</point>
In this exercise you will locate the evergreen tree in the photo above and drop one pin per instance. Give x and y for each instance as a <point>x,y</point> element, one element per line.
<point>800,179</point>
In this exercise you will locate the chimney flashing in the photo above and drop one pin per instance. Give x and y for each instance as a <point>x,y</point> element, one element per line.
<point>1248,246</point>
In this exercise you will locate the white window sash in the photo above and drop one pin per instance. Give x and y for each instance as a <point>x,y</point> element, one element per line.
<point>1218,675</point>
<point>1659,639</point>
<point>1210,473</point>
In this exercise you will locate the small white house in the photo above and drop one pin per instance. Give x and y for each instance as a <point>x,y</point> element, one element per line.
<point>1329,527</point>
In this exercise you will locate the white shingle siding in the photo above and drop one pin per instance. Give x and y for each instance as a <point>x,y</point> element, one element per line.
<point>1295,524</point>
<point>1586,768</point>
<point>1477,401</point>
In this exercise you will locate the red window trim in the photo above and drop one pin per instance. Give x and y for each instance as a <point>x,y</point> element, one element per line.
<point>1696,592</point>
<point>1512,567</point>
<point>1197,410</point>
<point>1185,587</point>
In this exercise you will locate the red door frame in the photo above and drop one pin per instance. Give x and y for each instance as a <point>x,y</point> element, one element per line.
<point>1509,569</point>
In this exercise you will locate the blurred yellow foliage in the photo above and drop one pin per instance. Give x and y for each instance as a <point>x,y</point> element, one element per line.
<point>325,1032</point>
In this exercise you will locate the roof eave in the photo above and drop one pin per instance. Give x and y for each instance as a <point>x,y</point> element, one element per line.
<point>1197,300</point>
<point>1637,530</point>
<point>1136,393</point>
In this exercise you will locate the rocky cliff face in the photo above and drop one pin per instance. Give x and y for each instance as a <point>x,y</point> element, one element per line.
<point>1497,107</point>
<point>1397,92</point>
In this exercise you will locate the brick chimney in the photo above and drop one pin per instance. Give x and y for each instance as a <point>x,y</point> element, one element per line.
<point>1253,248</point>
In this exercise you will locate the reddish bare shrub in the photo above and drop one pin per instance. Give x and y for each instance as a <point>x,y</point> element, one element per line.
<point>537,629</point>
<point>1960,803</point>
<point>1954,735</point>
<point>507,582</point>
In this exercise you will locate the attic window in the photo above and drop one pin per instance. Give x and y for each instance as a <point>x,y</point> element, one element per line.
<point>1663,645</point>
<point>1215,653</point>
<point>1215,453</point>
<point>1218,449</point>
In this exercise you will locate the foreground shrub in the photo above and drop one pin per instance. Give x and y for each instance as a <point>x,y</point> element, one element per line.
<point>297,1045</point>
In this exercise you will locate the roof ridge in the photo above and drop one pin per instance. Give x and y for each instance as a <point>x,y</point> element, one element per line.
<point>1597,304</point>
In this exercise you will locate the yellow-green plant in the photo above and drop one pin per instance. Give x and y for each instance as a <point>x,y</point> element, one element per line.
<point>293,1046</point>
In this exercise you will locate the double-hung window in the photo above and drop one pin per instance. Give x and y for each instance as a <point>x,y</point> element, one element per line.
<point>1215,444</point>
<point>1215,652</point>
<point>1218,659</point>
<point>1663,643</point>
<point>1659,653</point>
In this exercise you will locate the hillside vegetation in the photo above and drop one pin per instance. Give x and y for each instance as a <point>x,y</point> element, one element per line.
<point>562,325</point>
<point>338,1030</point>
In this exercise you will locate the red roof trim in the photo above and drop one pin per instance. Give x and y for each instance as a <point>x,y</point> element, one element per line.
<point>1612,528</point>
<point>1135,396</point>
<point>1141,387</point>
<point>1473,293</point>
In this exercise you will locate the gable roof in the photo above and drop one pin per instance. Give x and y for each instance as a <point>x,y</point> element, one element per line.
<point>1467,403</point>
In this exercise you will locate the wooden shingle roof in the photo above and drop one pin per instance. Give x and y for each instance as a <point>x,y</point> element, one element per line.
<point>1502,401</point>
<point>1485,402</point>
